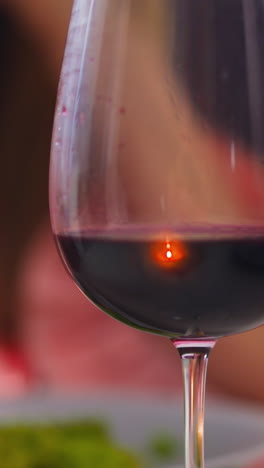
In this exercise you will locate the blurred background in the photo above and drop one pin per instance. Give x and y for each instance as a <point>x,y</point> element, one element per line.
<point>50,336</point>
<point>27,101</point>
<point>49,333</point>
<point>28,83</point>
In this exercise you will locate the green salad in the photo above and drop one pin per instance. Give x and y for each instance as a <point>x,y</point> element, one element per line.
<point>77,445</point>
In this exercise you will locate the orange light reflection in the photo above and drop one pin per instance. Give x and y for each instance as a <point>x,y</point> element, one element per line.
<point>168,254</point>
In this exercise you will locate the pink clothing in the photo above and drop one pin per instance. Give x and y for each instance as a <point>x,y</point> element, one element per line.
<point>73,345</point>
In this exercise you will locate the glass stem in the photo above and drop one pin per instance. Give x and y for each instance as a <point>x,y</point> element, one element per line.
<point>194,357</point>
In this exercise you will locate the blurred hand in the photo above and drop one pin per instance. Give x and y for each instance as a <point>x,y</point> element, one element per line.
<point>73,345</point>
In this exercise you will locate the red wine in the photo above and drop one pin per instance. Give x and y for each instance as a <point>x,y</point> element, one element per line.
<point>189,289</point>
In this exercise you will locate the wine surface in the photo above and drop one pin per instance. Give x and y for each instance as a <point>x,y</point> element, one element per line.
<point>181,288</point>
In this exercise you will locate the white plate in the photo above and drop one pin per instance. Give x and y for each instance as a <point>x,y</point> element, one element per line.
<point>234,434</point>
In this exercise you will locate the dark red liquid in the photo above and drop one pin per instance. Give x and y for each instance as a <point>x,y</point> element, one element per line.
<point>195,289</point>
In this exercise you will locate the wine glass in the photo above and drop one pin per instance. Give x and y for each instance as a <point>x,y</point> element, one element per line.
<point>157,175</point>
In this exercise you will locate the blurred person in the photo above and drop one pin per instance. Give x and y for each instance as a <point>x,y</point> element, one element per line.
<point>45,291</point>
<point>64,333</point>
<point>26,113</point>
